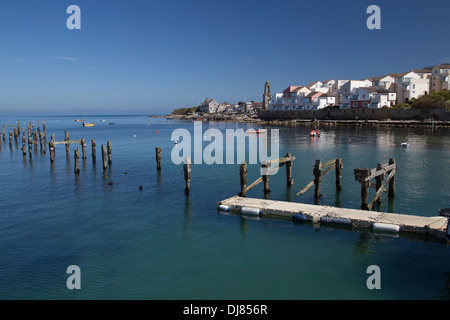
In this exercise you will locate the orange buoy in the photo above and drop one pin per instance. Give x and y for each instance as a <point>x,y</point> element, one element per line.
<point>314,133</point>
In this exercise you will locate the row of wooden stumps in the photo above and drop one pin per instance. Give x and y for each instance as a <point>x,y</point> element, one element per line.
<point>266,172</point>
<point>34,135</point>
<point>187,167</point>
<point>106,151</point>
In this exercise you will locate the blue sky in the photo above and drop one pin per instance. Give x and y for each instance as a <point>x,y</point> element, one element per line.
<point>153,56</point>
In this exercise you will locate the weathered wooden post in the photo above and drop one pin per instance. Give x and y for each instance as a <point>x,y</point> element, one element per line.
<point>109,147</point>
<point>158,158</point>
<point>30,145</point>
<point>66,138</point>
<point>289,180</point>
<point>10,138</point>
<point>339,167</point>
<point>3,132</point>
<point>40,139</point>
<point>391,192</point>
<point>83,148</point>
<point>94,150</point>
<point>243,174</point>
<point>187,174</point>
<point>15,134</point>
<point>265,175</point>
<point>24,146</point>
<point>317,178</point>
<point>104,158</point>
<point>51,147</point>
<point>365,185</point>
<point>77,161</point>
<point>379,181</point>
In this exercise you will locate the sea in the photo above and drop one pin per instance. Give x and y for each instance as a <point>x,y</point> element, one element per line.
<point>134,233</point>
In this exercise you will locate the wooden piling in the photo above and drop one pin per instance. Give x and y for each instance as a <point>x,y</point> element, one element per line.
<point>289,180</point>
<point>187,174</point>
<point>109,148</point>
<point>317,178</point>
<point>104,157</point>
<point>379,181</point>
<point>339,167</point>
<point>94,150</point>
<point>3,132</point>
<point>243,174</point>
<point>365,184</point>
<point>158,158</point>
<point>391,192</point>
<point>66,138</point>
<point>10,138</point>
<point>24,146</point>
<point>265,175</point>
<point>30,146</point>
<point>15,134</point>
<point>77,161</point>
<point>51,147</point>
<point>83,148</point>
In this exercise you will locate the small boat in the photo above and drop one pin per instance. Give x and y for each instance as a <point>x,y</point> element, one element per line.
<point>405,144</point>
<point>111,123</point>
<point>314,133</point>
<point>78,120</point>
<point>257,131</point>
<point>102,120</point>
<point>169,118</point>
<point>88,124</point>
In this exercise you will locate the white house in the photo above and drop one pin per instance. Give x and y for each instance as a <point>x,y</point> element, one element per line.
<point>415,88</point>
<point>209,106</point>
<point>369,97</point>
<point>386,82</point>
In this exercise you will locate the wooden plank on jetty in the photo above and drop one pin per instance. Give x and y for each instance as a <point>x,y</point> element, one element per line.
<point>358,218</point>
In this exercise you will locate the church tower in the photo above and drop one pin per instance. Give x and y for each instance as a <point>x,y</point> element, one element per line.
<point>267,96</point>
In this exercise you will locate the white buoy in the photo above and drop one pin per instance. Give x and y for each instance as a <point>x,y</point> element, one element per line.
<point>224,208</point>
<point>251,211</point>
<point>134,136</point>
<point>386,227</point>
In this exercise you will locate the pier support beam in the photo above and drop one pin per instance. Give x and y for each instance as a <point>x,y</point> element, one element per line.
<point>391,192</point>
<point>243,175</point>
<point>265,177</point>
<point>339,167</point>
<point>317,178</point>
<point>158,158</point>
<point>289,180</point>
<point>187,174</point>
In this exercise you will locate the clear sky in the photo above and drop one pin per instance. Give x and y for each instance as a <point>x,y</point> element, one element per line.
<point>147,56</point>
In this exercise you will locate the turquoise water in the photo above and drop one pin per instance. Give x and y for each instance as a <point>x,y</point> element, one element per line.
<point>158,243</point>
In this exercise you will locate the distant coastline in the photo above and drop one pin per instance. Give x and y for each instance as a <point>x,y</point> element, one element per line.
<point>333,117</point>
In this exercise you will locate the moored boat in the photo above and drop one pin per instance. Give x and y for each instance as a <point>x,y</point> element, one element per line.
<point>88,124</point>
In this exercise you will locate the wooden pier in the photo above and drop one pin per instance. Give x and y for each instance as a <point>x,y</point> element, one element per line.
<point>391,222</point>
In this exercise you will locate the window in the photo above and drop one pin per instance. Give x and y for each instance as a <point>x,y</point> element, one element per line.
<point>355,104</point>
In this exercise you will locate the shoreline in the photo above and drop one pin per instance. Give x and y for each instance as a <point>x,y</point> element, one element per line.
<point>309,122</point>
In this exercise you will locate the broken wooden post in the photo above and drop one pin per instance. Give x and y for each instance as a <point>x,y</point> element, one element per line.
<point>3,132</point>
<point>104,157</point>
<point>10,138</point>
<point>94,150</point>
<point>391,192</point>
<point>363,175</point>
<point>243,174</point>
<point>265,175</point>
<point>77,161</point>
<point>51,147</point>
<point>317,178</point>
<point>187,174</point>
<point>339,167</point>
<point>30,145</point>
<point>66,138</point>
<point>289,180</point>
<point>83,148</point>
<point>379,181</point>
<point>15,134</point>
<point>24,146</point>
<point>109,147</point>
<point>158,158</point>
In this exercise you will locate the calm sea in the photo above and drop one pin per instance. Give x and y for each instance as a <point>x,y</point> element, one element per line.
<point>158,243</point>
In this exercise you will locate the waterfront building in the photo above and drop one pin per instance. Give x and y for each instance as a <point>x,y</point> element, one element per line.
<point>440,78</point>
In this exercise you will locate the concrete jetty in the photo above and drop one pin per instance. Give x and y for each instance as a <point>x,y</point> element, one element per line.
<point>382,221</point>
